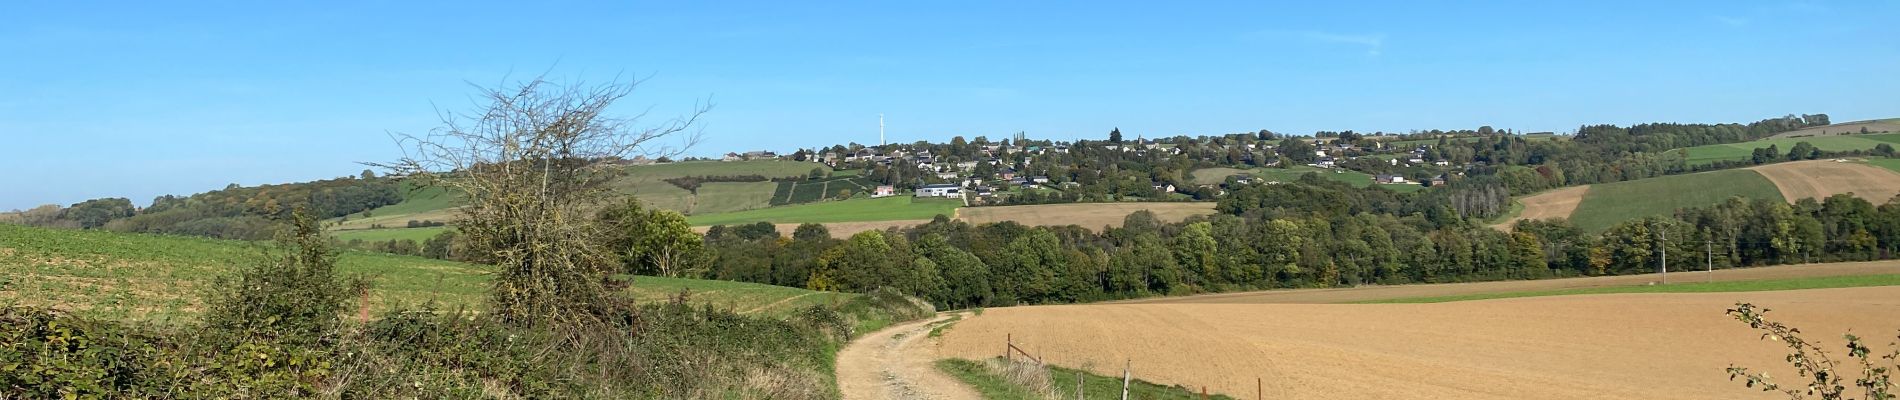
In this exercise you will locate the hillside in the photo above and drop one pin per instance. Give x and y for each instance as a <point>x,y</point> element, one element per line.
<point>1596,207</point>
<point>158,278</point>
<point>1742,151</point>
<point>1891,125</point>
<point>1214,176</point>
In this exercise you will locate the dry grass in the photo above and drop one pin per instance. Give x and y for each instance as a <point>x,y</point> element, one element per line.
<point>1552,204</point>
<point>1087,215</point>
<point>1616,346</point>
<point>1819,179</point>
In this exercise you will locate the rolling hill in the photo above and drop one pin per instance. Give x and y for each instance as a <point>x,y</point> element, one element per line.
<point>1742,151</point>
<point>158,278</point>
<point>1597,207</point>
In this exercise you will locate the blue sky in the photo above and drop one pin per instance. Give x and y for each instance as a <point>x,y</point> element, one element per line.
<point>135,99</point>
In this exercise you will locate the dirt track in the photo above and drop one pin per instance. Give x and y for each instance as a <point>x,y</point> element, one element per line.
<point>896,363</point>
<point>1370,293</point>
<point>1622,346</point>
<point>1552,204</point>
<point>1819,179</point>
<point>1086,215</point>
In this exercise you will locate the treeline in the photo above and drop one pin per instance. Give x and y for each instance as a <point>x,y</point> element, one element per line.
<point>1334,237</point>
<point>235,212</point>
<point>1607,153</point>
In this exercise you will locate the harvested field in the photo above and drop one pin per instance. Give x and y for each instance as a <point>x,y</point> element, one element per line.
<point>841,230</point>
<point>1552,204</point>
<point>1087,215</point>
<point>1617,346</point>
<point>1374,293</point>
<point>1819,179</point>
<point>1845,128</point>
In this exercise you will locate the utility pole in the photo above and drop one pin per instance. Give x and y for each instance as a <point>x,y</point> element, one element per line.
<point>1709,246</point>
<point>1665,253</point>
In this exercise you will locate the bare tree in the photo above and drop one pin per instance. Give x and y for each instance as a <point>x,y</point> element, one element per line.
<point>525,159</point>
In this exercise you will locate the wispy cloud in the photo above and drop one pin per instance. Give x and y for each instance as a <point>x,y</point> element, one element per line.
<point>1374,43</point>
<point>1730,21</point>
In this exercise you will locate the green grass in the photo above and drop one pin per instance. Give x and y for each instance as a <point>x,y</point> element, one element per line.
<point>379,235</point>
<point>158,278</point>
<point>1697,287</point>
<point>748,298</point>
<point>129,276</point>
<point>718,197</point>
<point>1608,204</point>
<point>1892,164</point>
<point>994,386</point>
<point>1745,150</point>
<point>861,209</point>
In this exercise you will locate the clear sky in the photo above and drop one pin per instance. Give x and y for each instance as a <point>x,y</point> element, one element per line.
<point>135,99</point>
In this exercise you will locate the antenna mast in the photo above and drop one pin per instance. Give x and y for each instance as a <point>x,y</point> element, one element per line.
<point>880,129</point>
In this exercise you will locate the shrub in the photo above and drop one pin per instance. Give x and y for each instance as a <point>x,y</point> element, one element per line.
<point>1815,364</point>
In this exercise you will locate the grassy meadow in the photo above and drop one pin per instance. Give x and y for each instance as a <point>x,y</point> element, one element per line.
<point>380,235</point>
<point>146,277</point>
<point>855,210</point>
<point>1744,150</point>
<point>984,377</point>
<point>1606,205</point>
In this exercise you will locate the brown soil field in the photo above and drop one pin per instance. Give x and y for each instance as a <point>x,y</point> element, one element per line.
<point>1846,128</point>
<point>1614,346</point>
<point>1552,204</point>
<point>1374,293</point>
<point>1819,179</point>
<point>840,230</point>
<point>1087,215</point>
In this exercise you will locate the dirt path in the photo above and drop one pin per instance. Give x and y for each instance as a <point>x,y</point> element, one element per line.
<point>895,363</point>
<point>1819,179</point>
<point>1552,204</point>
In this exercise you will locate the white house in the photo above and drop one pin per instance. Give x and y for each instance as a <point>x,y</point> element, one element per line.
<point>939,190</point>
<point>884,191</point>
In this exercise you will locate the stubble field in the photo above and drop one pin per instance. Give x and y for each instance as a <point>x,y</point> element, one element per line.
<point>1616,346</point>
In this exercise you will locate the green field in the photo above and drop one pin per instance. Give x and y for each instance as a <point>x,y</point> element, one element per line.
<point>861,209</point>
<point>159,278</point>
<point>1892,164</point>
<point>992,385</point>
<point>718,197</point>
<point>379,235</point>
<point>1697,287</point>
<point>647,182</point>
<point>1210,176</point>
<point>1744,150</point>
<point>1608,204</point>
<point>746,298</point>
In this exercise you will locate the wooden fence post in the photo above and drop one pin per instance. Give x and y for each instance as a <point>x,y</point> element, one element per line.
<point>1009,343</point>
<point>1126,364</point>
<point>1078,385</point>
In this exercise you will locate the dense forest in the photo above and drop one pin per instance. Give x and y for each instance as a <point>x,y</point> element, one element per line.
<point>235,212</point>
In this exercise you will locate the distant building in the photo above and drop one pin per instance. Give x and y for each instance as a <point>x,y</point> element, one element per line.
<point>1383,178</point>
<point>939,190</point>
<point>884,191</point>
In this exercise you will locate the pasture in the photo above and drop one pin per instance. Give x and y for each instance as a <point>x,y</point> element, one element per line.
<point>1607,204</point>
<point>160,278</point>
<point>1744,150</point>
<point>1847,128</point>
<point>380,235</point>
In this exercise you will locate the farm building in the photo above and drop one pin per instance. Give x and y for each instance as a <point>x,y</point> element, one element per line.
<point>1383,178</point>
<point>939,190</point>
